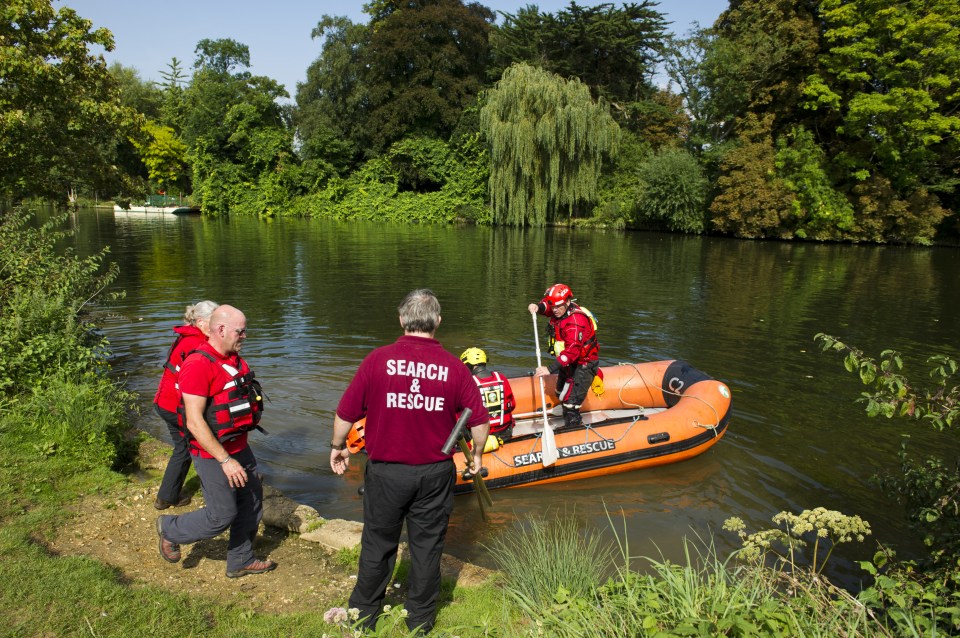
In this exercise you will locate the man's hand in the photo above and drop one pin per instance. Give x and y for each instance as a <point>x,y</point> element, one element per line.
<point>339,460</point>
<point>236,475</point>
<point>476,464</point>
<point>542,371</point>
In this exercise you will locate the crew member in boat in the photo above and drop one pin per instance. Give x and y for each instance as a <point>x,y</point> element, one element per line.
<point>496,394</point>
<point>573,341</point>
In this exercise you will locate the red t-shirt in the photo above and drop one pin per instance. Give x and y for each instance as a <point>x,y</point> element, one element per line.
<point>202,377</point>
<point>411,393</point>
<point>189,339</point>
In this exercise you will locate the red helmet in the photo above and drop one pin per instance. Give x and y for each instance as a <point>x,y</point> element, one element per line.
<point>558,294</point>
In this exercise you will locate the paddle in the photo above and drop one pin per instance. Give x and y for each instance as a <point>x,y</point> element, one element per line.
<point>549,453</point>
<point>458,434</point>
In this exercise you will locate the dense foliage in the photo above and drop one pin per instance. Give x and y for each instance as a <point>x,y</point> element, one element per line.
<point>824,120</point>
<point>51,360</point>
<point>613,50</point>
<point>928,488</point>
<point>42,296</point>
<point>859,101</point>
<point>60,113</point>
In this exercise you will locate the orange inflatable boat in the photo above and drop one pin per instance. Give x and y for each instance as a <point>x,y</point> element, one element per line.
<point>649,414</point>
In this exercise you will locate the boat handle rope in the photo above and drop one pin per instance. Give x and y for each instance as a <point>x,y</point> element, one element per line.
<point>696,424</point>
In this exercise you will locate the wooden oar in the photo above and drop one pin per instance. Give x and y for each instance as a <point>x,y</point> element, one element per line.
<point>479,486</point>
<point>548,444</point>
<point>458,434</point>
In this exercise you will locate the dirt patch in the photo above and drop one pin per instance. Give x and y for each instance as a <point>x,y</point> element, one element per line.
<point>120,530</point>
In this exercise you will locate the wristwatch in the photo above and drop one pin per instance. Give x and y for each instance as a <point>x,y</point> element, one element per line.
<point>334,446</point>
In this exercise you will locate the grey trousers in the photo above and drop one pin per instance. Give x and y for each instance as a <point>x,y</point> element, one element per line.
<point>239,509</point>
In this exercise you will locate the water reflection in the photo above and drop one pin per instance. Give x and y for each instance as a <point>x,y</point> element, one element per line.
<point>320,295</point>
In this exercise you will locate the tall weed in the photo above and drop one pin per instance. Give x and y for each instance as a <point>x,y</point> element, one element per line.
<point>544,559</point>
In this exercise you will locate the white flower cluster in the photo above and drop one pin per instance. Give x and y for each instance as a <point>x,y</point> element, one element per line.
<point>831,524</point>
<point>825,525</point>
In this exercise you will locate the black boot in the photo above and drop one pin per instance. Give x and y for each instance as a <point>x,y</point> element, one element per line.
<point>571,417</point>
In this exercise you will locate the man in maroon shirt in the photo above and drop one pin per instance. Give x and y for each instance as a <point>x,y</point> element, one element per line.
<point>411,393</point>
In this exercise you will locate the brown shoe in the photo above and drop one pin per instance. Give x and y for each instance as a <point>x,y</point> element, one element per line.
<point>256,567</point>
<point>169,551</point>
<point>161,504</point>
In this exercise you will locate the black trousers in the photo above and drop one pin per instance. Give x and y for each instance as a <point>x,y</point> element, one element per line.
<point>421,495</point>
<point>179,464</point>
<point>573,383</point>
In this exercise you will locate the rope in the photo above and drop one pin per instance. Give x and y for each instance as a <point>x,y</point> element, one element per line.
<point>646,385</point>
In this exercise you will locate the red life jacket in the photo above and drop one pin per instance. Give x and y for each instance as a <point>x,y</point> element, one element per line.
<point>590,348</point>
<point>235,409</point>
<point>497,397</point>
<point>188,339</point>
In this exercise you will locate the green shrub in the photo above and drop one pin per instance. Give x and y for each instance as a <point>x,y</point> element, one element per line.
<point>80,417</point>
<point>703,595</point>
<point>42,297</point>
<point>418,180</point>
<point>818,210</point>
<point>674,192</point>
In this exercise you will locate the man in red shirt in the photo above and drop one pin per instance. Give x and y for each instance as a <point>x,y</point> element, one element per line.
<point>411,393</point>
<point>573,340</point>
<point>220,403</point>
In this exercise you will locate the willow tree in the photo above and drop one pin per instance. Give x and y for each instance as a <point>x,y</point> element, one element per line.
<point>548,139</point>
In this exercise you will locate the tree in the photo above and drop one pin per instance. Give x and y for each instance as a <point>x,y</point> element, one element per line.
<point>887,89</point>
<point>753,201</point>
<point>60,112</point>
<point>755,64</point>
<point>612,50</point>
<point>172,111</point>
<point>237,136</point>
<point>411,72</point>
<point>683,63</point>
<point>143,97</point>
<point>424,63</point>
<point>164,155</point>
<point>330,103</point>
<point>548,138</point>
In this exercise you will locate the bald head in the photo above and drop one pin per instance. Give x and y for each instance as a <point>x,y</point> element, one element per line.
<point>228,329</point>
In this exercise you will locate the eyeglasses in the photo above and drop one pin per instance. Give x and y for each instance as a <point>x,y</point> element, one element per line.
<point>241,332</point>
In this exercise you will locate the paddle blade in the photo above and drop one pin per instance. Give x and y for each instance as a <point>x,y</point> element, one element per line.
<point>549,445</point>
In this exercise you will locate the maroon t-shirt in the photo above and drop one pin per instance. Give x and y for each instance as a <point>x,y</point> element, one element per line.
<point>411,393</point>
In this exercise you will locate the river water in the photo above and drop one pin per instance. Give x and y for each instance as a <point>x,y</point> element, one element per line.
<point>320,295</point>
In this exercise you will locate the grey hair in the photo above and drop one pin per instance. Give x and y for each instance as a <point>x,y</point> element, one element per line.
<point>199,310</point>
<point>420,311</point>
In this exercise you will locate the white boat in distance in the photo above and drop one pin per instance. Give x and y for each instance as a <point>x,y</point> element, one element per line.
<point>160,210</point>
